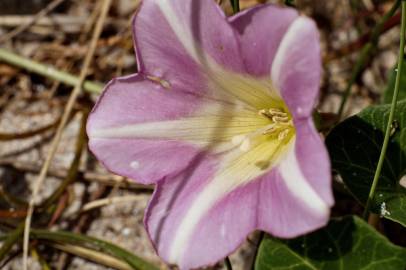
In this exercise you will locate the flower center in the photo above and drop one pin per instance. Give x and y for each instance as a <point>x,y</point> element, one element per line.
<point>280,128</point>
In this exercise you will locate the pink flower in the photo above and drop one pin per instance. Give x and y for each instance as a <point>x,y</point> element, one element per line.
<point>219,118</point>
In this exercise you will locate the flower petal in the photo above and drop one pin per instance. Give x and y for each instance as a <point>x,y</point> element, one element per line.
<point>132,100</point>
<point>181,202</point>
<point>288,206</point>
<point>174,38</point>
<point>200,216</point>
<point>296,69</point>
<point>261,30</point>
<point>313,159</point>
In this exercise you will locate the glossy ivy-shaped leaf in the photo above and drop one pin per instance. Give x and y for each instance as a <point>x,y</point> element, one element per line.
<point>346,243</point>
<point>388,93</point>
<point>354,147</point>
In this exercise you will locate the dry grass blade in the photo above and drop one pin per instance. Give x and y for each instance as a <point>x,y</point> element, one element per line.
<point>51,6</point>
<point>96,244</point>
<point>11,239</point>
<point>108,201</point>
<point>95,256</point>
<point>74,167</point>
<point>102,178</point>
<point>72,99</point>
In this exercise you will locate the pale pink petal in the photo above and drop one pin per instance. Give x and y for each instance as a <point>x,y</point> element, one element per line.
<point>280,204</point>
<point>133,100</point>
<point>174,39</point>
<point>313,159</point>
<point>261,30</point>
<point>296,69</point>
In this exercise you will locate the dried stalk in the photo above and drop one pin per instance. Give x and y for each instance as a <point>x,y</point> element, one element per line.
<point>72,99</point>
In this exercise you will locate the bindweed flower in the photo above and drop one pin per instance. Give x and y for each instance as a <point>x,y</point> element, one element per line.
<point>219,117</point>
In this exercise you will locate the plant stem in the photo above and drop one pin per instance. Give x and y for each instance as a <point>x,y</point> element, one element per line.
<point>364,56</point>
<point>236,5</point>
<point>391,114</point>
<point>47,71</point>
<point>105,6</point>
<point>227,263</point>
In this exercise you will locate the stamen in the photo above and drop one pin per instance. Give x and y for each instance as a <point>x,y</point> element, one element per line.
<point>279,119</point>
<point>276,115</point>
<point>265,113</point>
<point>277,112</point>
<point>279,126</point>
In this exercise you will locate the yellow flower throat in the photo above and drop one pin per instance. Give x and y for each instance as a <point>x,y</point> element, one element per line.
<point>280,128</point>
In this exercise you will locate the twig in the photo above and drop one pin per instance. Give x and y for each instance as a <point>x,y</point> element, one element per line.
<point>72,99</point>
<point>391,114</point>
<point>50,20</point>
<point>74,167</point>
<point>51,6</point>
<point>65,23</point>
<point>102,178</point>
<point>47,71</point>
<point>111,200</point>
<point>359,43</point>
<point>12,214</point>
<point>364,56</point>
<point>24,135</point>
<point>81,225</point>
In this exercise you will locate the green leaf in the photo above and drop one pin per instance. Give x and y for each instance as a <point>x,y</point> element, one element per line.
<point>388,94</point>
<point>354,147</point>
<point>346,243</point>
<point>91,242</point>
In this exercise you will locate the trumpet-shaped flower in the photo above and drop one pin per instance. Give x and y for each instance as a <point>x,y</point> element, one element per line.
<point>219,118</point>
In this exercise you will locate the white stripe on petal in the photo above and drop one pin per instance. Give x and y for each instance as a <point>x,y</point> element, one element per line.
<point>212,126</point>
<point>236,169</point>
<point>181,31</point>
<point>257,93</point>
<point>285,46</point>
<point>297,184</point>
